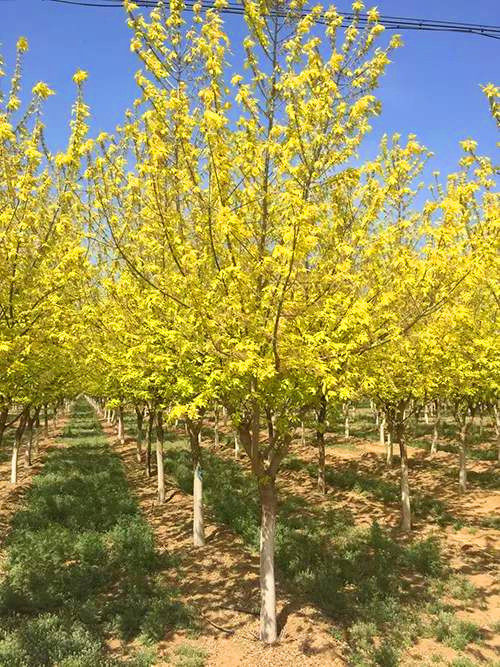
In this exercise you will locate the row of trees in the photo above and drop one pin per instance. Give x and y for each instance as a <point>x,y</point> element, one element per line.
<point>225,249</point>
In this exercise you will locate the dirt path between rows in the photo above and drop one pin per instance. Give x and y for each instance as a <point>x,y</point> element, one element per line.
<point>222,578</point>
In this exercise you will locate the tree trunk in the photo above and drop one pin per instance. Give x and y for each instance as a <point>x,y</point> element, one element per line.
<point>30,421</point>
<point>302,434</point>
<point>270,425</point>
<point>268,625</point>
<point>462,473</point>
<point>320,441</point>
<point>236,445</point>
<point>54,416</point>
<point>389,448</point>
<point>194,427</point>
<point>159,457</point>
<point>121,432</point>
<point>151,420</point>
<point>381,430</point>
<point>15,447</point>
<point>216,427</point>
<point>496,412</point>
<point>139,414</point>
<point>347,432</point>
<point>4,415</point>
<point>46,420</point>
<point>405,489</point>
<point>404,481</point>
<point>426,413</point>
<point>435,430</point>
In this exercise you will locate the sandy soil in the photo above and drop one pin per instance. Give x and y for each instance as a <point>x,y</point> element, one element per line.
<point>221,580</point>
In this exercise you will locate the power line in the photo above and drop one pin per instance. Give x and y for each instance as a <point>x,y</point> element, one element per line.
<point>389,22</point>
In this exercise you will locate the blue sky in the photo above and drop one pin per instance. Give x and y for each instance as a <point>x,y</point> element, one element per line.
<point>431,89</point>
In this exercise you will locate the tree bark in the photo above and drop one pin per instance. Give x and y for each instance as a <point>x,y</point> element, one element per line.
<point>46,420</point>
<point>216,427</point>
<point>160,473</point>
<point>139,414</point>
<point>381,431</point>
<point>194,428</point>
<point>496,412</point>
<point>236,446</point>
<point>151,420</point>
<point>320,441</point>
<point>462,472</point>
<point>30,422</point>
<point>15,447</point>
<point>121,432</point>
<point>268,624</point>
<point>404,475</point>
<point>4,415</point>
<point>347,432</point>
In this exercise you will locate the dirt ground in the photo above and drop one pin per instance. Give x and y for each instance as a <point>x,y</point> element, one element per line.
<point>221,580</point>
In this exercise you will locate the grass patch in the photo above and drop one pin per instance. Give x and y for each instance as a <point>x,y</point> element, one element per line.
<point>81,562</point>
<point>457,634</point>
<point>189,656</point>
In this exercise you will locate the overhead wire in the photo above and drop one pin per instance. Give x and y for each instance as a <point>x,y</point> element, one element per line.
<point>389,22</point>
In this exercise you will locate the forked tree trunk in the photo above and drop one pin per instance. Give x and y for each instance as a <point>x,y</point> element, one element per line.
<point>159,457</point>
<point>268,624</point>
<point>15,447</point>
<point>121,431</point>
<point>320,441</point>
<point>139,414</point>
